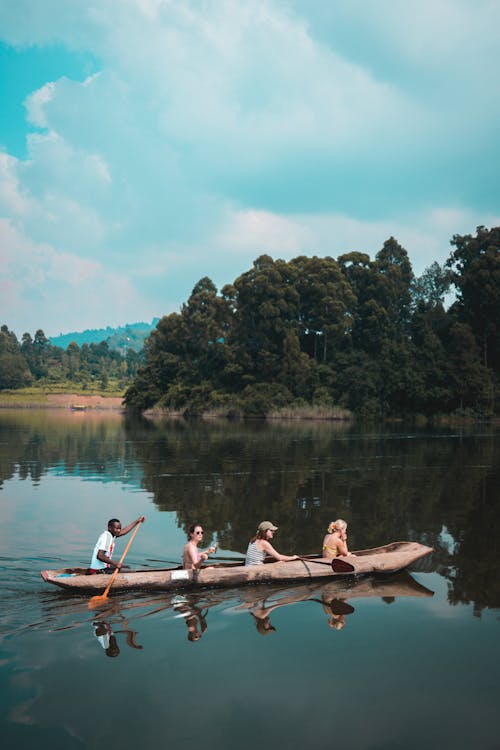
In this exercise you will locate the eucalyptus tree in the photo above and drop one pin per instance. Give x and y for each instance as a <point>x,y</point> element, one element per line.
<point>475,266</point>
<point>326,303</point>
<point>14,371</point>
<point>266,305</point>
<point>381,326</point>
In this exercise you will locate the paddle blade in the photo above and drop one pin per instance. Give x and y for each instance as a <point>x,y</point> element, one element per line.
<point>339,607</point>
<point>341,566</point>
<point>97,601</point>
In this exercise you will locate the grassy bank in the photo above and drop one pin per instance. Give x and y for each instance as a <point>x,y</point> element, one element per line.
<point>61,397</point>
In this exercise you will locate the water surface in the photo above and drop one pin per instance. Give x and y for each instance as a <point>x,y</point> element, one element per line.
<point>410,661</point>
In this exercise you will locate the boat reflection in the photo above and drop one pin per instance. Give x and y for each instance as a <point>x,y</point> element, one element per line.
<point>260,601</point>
<point>331,596</point>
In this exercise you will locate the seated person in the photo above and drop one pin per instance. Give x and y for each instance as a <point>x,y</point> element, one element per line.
<point>259,546</point>
<point>335,541</point>
<point>101,557</point>
<point>192,557</point>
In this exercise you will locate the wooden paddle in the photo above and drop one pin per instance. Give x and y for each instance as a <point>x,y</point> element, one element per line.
<point>97,601</point>
<point>338,566</point>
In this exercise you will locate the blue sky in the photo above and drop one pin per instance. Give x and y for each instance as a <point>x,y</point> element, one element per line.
<point>147,143</point>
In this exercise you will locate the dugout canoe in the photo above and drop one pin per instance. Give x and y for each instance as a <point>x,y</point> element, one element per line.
<point>389,558</point>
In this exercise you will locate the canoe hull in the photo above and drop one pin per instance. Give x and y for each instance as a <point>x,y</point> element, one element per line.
<point>387,559</point>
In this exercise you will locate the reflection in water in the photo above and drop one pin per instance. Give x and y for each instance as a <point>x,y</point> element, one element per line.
<point>194,617</point>
<point>122,616</point>
<point>106,637</point>
<point>436,487</point>
<point>332,596</point>
<point>105,634</point>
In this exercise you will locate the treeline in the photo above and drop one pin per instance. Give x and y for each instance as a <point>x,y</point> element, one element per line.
<point>36,361</point>
<point>361,334</point>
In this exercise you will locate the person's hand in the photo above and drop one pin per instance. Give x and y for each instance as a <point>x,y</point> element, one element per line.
<point>118,566</point>
<point>141,519</point>
<point>204,556</point>
<point>211,550</point>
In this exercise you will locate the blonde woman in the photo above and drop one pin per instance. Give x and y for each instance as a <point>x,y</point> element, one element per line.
<point>335,541</point>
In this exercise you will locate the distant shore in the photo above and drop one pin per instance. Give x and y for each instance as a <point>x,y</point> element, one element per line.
<point>16,400</point>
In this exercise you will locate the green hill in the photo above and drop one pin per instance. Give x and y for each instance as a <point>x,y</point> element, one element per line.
<point>129,336</point>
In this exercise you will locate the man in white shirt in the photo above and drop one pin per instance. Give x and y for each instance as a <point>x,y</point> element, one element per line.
<point>102,561</point>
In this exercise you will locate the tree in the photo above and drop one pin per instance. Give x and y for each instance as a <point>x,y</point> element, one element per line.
<point>475,266</point>
<point>14,371</point>
<point>431,287</point>
<point>267,308</point>
<point>326,301</point>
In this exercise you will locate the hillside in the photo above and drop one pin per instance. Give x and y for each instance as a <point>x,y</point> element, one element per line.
<point>129,336</point>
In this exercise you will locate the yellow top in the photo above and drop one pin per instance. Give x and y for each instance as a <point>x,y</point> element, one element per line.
<point>331,549</point>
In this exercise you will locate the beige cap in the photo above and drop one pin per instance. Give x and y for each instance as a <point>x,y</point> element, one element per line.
<point>267,526</point>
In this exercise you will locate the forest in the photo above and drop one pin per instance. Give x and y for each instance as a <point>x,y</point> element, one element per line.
<point>34,361</point>
<point>349,335</point>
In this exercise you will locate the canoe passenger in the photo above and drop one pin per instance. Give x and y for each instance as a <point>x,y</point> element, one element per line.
<point>101,557</point>
<point>192,557</point>
<point>260,546</point>
<point>335,541</point>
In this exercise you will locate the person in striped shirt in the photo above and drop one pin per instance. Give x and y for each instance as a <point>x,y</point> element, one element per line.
<point>260,546</point>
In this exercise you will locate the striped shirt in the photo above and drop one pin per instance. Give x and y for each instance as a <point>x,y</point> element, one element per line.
<point>255,556</point>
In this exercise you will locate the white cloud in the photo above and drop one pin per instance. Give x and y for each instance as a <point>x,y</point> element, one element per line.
<point>56,291</point>
<point>325,127</point>
<point>35,104</point>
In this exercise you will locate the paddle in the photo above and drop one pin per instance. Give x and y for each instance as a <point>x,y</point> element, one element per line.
<point>228,559</point>
<point>338,566</point>
<point>97,601</point>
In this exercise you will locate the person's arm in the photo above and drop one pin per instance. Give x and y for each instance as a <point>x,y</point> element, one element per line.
<point>193,556</point>
<point>131,526</point>
<point>342,546</point>
<point>269,549</point>
<point>103,557</point>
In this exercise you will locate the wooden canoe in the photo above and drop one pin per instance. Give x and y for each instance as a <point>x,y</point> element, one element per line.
<point>387,559</point>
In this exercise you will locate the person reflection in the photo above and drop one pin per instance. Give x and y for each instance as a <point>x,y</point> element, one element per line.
<point>336,611</point>
<point>194,617</point>
<point>262,623</point>
<point>106,637</point>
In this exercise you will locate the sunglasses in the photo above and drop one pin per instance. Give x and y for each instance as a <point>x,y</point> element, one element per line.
<point>198,532</point>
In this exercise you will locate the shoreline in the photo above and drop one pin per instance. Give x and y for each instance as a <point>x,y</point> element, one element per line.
<point>75,401</point>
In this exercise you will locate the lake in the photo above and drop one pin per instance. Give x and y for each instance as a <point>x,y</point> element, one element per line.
<point>409,661</point>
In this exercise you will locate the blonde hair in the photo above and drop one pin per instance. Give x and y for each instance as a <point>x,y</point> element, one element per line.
<point>337,525</point>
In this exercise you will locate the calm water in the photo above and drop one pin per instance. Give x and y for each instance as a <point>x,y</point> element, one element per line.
<point>405,662</point>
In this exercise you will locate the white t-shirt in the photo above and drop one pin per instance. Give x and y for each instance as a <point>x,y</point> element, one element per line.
<point>106,542</point>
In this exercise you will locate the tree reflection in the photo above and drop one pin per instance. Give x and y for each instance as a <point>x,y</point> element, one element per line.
<point>438,487</point>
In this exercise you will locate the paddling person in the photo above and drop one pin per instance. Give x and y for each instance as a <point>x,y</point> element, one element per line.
<point>260,546</point>
<point>192,557</point>
<point>335,541</point>
<point>103,551</point>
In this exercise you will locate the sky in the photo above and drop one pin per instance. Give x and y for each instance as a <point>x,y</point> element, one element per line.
<point>145,144</point>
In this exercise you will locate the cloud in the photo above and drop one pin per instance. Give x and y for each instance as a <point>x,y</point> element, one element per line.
<point>215,132</point>
<point>55,290</point>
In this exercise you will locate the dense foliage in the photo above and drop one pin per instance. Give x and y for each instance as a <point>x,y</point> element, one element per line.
<point>36,361</point>
<point>358,333</point>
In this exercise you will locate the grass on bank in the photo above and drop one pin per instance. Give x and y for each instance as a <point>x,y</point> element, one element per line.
<point>38,394</point>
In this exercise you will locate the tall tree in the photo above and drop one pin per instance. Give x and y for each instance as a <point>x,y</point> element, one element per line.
<point>475,265</point>
<point>325,304</point>
<point>267,308</point>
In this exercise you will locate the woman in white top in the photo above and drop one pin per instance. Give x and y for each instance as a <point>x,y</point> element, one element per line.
<point>260,546</point>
